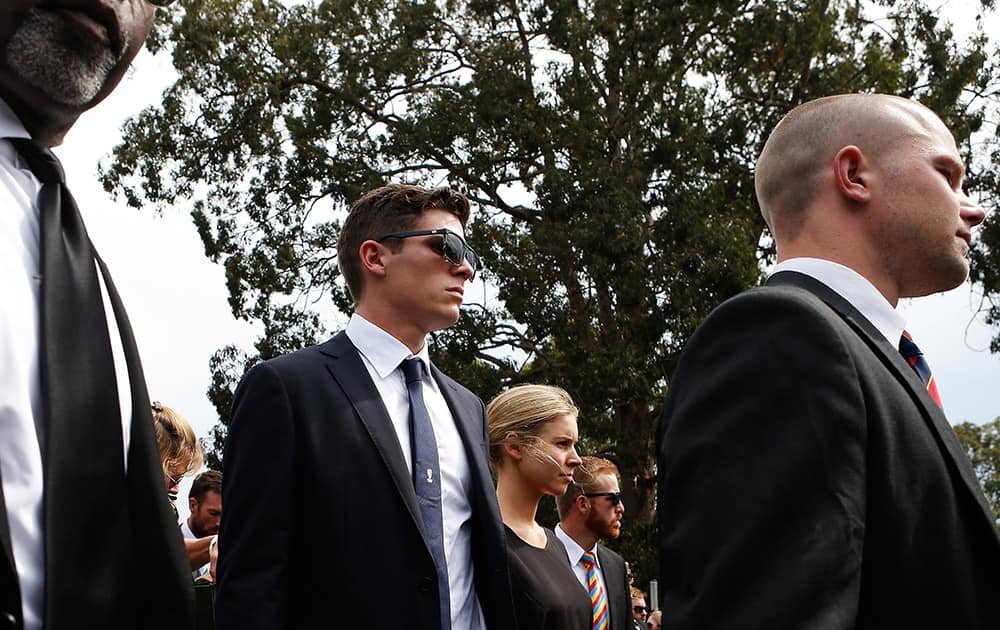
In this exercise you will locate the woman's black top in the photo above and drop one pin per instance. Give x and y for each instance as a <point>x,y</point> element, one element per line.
<point>547,595</point>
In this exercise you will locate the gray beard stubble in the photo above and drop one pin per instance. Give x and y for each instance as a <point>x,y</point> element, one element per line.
<point>71,74</point>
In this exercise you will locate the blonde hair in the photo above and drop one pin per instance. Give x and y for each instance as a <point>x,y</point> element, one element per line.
<point>523,410</point>
<point>175,439</point>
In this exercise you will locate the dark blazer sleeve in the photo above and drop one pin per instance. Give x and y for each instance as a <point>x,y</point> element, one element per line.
<point>616,579</point>
<point>761,457</point>
<point>253,569</point>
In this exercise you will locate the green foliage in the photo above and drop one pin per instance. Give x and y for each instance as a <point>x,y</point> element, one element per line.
<point>982,445</point>
<point>638,545</point>
<point>609,145</point>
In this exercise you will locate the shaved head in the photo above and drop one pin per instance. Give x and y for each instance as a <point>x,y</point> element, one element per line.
<point>874,183</point>
<point>797,159</point>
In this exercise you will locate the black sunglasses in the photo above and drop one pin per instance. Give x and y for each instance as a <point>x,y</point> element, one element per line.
<point>639,609</point>
<point>161,3</point>
<point>453,247</point>
<point>616,497</point>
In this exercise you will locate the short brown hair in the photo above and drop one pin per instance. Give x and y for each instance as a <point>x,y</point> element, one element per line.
<point>175,439</point>
<point>208,481</point>
<point>584,477</point>
<point>391,208</point>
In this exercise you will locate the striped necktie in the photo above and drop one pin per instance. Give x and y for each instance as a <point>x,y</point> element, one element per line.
<point>915,358</point>
<point>598,600</point>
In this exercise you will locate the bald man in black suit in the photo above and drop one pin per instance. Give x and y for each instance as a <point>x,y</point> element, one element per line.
<point>808,477</point>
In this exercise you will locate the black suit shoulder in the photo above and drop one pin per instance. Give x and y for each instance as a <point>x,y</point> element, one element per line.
<point>766,393</point>
<point>793,451</point>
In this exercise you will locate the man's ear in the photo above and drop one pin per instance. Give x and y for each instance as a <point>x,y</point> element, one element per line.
<point>372,254</point>
<point>581,504</point>
<point>192,503</point>
<point>851,174</point>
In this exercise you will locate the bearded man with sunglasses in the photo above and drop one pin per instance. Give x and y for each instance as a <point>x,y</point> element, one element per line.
<point>87,539</point>
<point>322,496</point>
<point>589,510</point>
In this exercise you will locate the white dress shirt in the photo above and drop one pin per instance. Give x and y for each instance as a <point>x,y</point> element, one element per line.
<point>854,288</point>
<point>574,553</point>
<point>21,411</point>
<point>189,535</point>
<point>382,354</point>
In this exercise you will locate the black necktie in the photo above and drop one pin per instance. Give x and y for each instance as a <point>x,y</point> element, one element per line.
<point>81,436</point>
<point>427,479</point>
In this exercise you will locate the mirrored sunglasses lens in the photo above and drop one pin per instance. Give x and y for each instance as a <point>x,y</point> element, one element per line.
<point>473,258</point>
<point>455,250</point>
<point>452,249</point>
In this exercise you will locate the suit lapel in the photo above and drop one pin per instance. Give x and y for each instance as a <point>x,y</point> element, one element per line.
<point>468,420</point>
<point>611,570</point>
<point>889,356</point>
<point>350,372</point>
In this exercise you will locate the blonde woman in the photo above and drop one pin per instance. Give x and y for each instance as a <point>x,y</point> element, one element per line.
<point>533,435</point>
<point>180,456</point>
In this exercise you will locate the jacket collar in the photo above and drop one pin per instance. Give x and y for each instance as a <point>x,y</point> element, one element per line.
<point>889,356</point>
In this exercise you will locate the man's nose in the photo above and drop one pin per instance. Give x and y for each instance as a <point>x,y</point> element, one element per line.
<point>971,212</point>
<point>466,269</point>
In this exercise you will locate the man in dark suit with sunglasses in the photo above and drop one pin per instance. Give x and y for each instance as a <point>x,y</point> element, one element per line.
<point>87,537</point>
<point>321,484</point>
<point>808,476</point>
<point>591,509</point>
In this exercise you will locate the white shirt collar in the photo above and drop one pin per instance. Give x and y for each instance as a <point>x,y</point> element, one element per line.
<point>382,350</point>
<point>10,124</point>
<point>11,127</point>
<point>854,288</point>
<point>573,550</point>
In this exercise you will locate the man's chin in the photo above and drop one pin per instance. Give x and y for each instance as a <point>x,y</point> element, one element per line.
<point>445,320</point>
<point>69,78</point>
<point>948,276</point>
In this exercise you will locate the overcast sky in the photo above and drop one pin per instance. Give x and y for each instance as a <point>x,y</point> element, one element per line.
<point>176,298</point>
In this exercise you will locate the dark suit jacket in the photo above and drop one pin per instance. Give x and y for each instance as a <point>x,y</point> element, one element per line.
<point>807,479</point>
<point>616,579</point>
<point>114,556</point>
<point>321,524</point>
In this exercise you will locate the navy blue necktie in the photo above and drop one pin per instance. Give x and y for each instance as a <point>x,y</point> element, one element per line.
<point>916,359</point>
<point>427,479</point>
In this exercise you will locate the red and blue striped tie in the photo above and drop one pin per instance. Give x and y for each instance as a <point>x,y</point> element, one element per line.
<point>598,599</point>
<point>915,358</point>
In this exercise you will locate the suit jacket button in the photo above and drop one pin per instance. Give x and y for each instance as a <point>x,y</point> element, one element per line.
<point>10,619</point>
<point>426,584</point>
